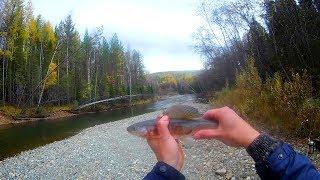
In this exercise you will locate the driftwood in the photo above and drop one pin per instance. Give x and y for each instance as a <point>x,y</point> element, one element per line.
<point>108,100</point>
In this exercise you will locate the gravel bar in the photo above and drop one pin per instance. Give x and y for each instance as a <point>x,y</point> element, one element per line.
<point>108,152</point>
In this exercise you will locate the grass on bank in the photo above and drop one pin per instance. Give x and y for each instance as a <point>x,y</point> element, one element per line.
<point>16,112</point>
<point>47,110</point>
<point>10,111</point>
<point>286,106</point>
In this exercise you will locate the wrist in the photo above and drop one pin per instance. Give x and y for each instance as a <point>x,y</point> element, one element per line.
<point>250,138</point>
<point>174,164</point>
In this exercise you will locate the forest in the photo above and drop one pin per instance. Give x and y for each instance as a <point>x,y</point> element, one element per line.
<point>45,64</point>
<point>173,82</point>
<point>262,58</point>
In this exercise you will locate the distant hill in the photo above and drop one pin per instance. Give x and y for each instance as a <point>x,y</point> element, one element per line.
<point>176,74</point>
<point>173,81</point>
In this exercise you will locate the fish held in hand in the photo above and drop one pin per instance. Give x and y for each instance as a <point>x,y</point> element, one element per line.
<point>184,122</point>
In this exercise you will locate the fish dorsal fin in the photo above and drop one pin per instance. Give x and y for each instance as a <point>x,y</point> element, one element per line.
<point>182,112</point>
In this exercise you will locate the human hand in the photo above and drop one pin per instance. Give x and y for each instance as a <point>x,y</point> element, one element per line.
<point>232,129</point>
<point>164,146</point>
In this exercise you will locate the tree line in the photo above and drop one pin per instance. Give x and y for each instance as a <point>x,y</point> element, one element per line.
<point>181,82</point>
<point>262,59</point>
<point>44,64</point>
<point>281,35</point>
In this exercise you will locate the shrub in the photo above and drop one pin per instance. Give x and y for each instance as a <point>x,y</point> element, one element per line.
<point>285,105</point>
<point>11,111</point>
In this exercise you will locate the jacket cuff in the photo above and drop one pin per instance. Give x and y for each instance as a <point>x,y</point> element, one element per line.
<point>262,147</point>
<point>167,171</point>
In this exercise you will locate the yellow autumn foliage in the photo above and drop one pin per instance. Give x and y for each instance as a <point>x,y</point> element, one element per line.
<point>169,79</point>
<point>49,34</point>
<point>188,78</point>
<point>33,30</point>
<point>288,106</point>
<point>53,77</point>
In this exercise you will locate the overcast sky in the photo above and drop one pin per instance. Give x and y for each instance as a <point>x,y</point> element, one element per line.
<point>160,29</point>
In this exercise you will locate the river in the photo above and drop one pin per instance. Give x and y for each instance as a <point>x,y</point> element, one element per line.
<point>24,137</point>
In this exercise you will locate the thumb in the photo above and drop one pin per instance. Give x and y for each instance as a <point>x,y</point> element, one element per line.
<point>207,134</point>
<point>162,126</point>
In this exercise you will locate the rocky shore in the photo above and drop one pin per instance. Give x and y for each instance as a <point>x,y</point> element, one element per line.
<point>108,152</point>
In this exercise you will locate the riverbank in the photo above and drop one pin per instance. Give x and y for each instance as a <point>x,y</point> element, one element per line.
<point>8,113</point>
<point>107,151</point>
<point>7,119</point>
<point>4,120</point>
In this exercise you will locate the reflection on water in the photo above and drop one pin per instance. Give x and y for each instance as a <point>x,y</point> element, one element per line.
<point>19,138</point>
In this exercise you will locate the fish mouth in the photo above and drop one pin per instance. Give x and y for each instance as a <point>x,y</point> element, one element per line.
<point>130,129</point>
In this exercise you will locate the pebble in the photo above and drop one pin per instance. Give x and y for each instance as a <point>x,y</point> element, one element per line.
<point>229,176</point>
<point>12,174</point>
<point>221,172</point>
<point>107,151</point>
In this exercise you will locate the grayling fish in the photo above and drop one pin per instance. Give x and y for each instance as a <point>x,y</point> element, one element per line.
<point>184,122</point>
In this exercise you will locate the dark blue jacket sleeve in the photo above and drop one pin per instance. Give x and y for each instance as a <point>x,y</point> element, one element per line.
<point>277,160</point>
<point>285,163</point>
<point>163,171</point>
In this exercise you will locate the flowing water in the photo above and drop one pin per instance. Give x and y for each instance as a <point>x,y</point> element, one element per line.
<point>19,138</point>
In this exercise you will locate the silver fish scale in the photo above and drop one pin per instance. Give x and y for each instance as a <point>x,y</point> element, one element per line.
<point>182,112</point>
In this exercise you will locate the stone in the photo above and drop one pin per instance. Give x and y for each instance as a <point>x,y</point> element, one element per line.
<point>208,164</point>
<point>12,174</point>
<point>229,176</point>
<point>221,172</point>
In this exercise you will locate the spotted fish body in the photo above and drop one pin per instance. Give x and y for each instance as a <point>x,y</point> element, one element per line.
<point>184,122</point>
<point>182,112</point>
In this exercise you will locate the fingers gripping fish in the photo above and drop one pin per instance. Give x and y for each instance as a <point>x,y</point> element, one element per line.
<point>184,122</point>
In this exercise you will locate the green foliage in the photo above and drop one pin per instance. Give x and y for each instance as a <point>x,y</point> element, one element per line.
<point>87,91</point>
<point>75,104</point>
<point>75,69</point>
<point>285,105</point>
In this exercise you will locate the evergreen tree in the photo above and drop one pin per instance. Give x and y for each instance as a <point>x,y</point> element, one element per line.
<point>40,64</point>
<point>259,48</point>
<point>16,39</point>
<point>117,65</point>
